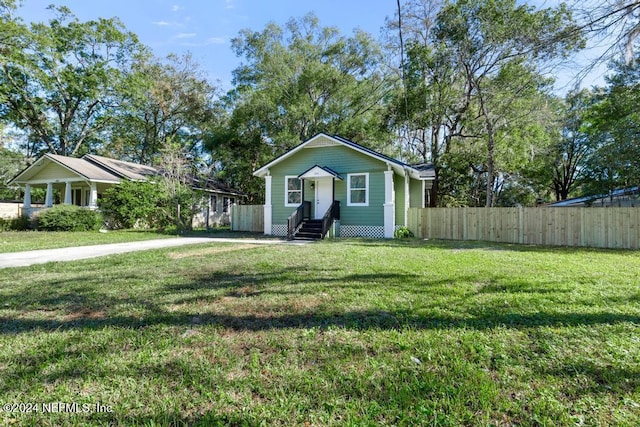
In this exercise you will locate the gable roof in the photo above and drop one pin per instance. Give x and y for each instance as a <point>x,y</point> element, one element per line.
<point>398,166</point>
<point>104,169</point>
<point>320,171</point>
<point>80,167</point>
<point>128,170</point>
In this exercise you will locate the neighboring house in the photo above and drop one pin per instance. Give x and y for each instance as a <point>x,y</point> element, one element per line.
<point>622,197</point>
<point>330,181</point>
<point>217,206</point>
<point>82,181</point>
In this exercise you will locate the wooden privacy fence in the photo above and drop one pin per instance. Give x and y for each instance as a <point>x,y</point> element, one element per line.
<point>247,218</point>
<point>592,227</point>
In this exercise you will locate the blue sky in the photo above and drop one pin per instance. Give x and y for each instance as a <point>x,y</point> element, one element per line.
<point>205,27</point>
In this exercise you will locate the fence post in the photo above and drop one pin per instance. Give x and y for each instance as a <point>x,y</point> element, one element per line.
<point>521,225</point>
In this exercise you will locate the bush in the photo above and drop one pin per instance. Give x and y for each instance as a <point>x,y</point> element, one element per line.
<point>131,204</point>
<point>149,204</point>
<point>14,224</point>
<point>403,233</point>
<point>68,218</point>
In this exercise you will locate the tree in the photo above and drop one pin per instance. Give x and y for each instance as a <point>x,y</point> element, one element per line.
<point>58,85</point>
<point>612,123</point>
<point>423,110</point>
<point>298,81</point>
<point>488,40</point>
<point>162,102</point>
<point>10,28</point>
<point>614,22</point>
<point>11,162</point>
<point>180,201</point>
<point>305,79</point>
<point>570,154</point>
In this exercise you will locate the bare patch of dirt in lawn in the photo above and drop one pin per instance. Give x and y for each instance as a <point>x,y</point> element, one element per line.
<point>209,251</point>
<point>83,313</point>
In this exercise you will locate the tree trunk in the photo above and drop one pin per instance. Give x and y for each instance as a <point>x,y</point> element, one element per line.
<point>490,164</point>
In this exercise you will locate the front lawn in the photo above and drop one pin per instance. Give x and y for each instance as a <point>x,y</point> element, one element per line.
<point>333,333</point>
<point>17,241</point>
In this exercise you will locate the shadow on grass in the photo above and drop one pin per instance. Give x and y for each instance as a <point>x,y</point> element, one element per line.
<point>603,378</point>
<point>354,320</point>
<point>81,303</point>
<point>483,245</point>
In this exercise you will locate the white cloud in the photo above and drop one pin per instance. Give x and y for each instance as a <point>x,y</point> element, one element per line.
<point>208,42</point>
<point>168,24</point>
<point>185,35</point>
<point>216,40</point>
<point>176,8</point>
<point>228,4</point>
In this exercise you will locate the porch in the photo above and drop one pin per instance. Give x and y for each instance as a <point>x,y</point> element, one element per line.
<point>67,192</point>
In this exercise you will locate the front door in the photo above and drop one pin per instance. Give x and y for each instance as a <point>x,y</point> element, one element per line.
<point>324,196</point>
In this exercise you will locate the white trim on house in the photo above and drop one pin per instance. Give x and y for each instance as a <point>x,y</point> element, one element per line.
<point>389,205</point>
<point>397,166</point>
<point>350,189</point>
<point>287,191</point>
<point>407,198</point>
<point>320,172</point>
<point>268,208</point>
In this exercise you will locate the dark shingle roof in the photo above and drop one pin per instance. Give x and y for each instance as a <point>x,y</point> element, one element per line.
<point>396,164</point>
<point>128,170</point>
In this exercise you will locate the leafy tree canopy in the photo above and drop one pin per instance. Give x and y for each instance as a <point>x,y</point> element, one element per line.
<point>59,82</point>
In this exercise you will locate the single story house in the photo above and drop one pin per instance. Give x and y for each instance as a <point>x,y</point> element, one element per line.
<point>328,181</point>
<point>82,181</point>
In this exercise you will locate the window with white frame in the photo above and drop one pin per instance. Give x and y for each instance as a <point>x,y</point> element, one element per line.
<point>358,189</point>
<point>292,191</point>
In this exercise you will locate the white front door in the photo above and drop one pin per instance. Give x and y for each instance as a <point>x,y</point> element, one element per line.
<point>324,196</point>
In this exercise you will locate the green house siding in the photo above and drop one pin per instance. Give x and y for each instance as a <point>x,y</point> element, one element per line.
<point>343,161</point>
<point>398,185</point>
<point>364,215</point>
<point>415,189</point>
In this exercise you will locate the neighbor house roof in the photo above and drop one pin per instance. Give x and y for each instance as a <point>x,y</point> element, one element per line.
<point>81,167</point>
<point>214,186</point>
<point>578,201</point>
<point>104,169</point>
<point>427,170</point>
<point>396,165</point>
<point>129,170</point>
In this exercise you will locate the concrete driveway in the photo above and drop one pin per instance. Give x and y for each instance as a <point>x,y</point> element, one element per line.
<point>24,259</point>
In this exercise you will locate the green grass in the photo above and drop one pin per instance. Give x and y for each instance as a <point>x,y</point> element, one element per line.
<point>17,241</point>
<point>334,333</point>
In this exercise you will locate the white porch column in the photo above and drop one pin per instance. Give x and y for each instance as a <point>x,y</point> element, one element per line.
<point>424,196</point>
<point>48,201</point>
<point>26,204</point>
<point>93,196</point>
<point>407,198</point>
<point>389,205</point>
<point>267,204</point>
<point>67,193</point>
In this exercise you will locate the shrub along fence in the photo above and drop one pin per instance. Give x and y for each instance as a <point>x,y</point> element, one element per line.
<point>247,218</point>
<point>590,227</point>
